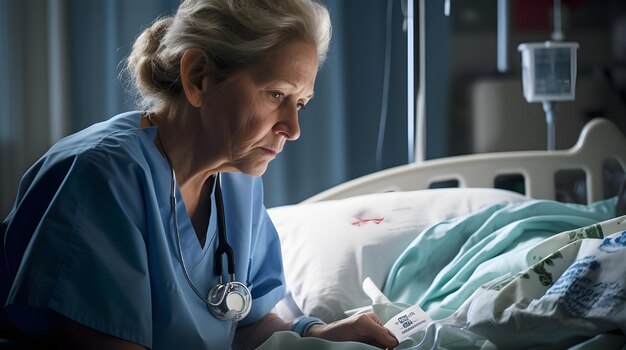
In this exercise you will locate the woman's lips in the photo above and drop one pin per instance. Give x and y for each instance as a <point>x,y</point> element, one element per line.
<point>270,152</point>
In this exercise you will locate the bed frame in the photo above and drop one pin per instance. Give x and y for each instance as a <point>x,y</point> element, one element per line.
<point>600,140</point>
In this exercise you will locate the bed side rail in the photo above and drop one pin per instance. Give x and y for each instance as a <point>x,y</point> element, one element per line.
<point>599,141</point>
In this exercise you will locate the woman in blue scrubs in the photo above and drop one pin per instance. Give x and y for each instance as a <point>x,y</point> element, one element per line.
<point>148,230</point>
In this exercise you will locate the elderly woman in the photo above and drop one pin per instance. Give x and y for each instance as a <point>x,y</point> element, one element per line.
<point>148,230</point>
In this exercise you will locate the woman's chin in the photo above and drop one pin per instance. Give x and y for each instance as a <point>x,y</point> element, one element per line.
<point>256,169</point>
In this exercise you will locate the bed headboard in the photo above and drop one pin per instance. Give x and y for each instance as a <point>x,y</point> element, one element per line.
<point>599,141</point>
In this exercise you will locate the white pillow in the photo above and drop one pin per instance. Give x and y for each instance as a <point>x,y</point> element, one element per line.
<point>330,247</point>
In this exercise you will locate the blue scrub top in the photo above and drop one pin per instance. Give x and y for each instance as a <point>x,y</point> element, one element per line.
<point>91,236</point>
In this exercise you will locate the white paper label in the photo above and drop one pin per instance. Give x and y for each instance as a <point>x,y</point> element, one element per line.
<point>372,291</point>
<point>408,322</point>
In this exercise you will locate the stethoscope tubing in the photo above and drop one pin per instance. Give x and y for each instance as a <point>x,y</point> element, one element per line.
<point>180,247</point>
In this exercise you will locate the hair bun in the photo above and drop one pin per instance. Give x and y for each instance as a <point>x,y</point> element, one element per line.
<point>154,35</point>
<point>146,67</point>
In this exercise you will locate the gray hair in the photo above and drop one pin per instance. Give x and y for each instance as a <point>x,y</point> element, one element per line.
<point>234,34</point>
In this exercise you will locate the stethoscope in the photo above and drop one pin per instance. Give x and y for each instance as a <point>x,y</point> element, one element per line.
<point>230,301</point>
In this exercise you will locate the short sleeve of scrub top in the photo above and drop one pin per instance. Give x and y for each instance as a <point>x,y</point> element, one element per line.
<point>91,237</point>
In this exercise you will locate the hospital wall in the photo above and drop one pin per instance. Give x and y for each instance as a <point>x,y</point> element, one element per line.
<point>60,64</point>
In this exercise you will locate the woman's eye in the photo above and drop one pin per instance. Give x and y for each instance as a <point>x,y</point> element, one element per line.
<point>301,107</point>
<point>276,95</point>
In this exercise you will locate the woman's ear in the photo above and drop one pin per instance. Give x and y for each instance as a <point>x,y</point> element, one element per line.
<point>194,67</point>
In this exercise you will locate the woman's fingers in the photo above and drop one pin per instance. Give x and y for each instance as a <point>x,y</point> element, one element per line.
<point>366,328</point>
<point>379,334</point>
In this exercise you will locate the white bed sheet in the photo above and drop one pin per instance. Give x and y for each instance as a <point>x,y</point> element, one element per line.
<point>330,247</point>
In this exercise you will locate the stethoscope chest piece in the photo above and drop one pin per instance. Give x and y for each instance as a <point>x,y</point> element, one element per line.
<point>229,301</point>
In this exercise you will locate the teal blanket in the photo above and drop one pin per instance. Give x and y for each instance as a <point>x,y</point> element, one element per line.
<point>446,263</point>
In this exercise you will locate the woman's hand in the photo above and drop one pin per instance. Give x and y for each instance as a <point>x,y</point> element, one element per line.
<point>366,328</point>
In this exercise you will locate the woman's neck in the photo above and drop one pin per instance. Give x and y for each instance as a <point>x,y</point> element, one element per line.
<point>185,153</point>
<point>194,184</point>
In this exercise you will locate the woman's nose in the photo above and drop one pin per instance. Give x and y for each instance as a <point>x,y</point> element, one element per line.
<point>288,125</point>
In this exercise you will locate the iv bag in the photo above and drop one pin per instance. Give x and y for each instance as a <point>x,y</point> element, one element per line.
<point>549,71</point>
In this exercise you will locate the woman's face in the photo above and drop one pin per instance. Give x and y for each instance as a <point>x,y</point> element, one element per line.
<point>256,110</point>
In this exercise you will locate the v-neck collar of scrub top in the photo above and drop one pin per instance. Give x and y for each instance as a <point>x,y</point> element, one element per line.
<point>193,252</point>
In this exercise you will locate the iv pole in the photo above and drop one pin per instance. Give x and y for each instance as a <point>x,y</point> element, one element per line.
<point>549,107</point>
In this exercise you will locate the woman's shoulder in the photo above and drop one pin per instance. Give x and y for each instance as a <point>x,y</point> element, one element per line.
<point>118,141</point>
<point>107,147</point>
<point>245,190</point>
<point>117,134</point>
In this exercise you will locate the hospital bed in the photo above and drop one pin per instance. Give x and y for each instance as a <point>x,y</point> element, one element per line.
<point>474,247</point>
